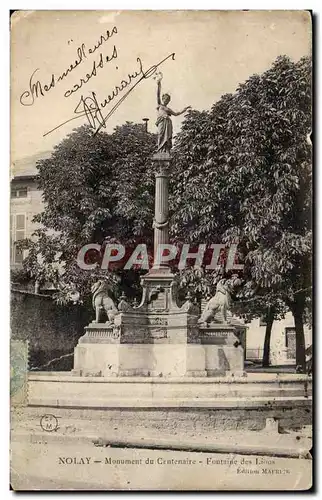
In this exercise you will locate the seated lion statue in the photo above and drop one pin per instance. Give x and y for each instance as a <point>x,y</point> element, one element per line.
<point>221,301</point>
<point>102,301</point>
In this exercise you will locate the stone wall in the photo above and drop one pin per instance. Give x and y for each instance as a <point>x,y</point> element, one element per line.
<point>52,330</point>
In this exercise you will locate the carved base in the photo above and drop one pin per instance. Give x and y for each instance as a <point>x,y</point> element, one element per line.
<point>154,360</point>
<point>224,360</point>
<point>158,338</point>
<point>100,333</point>
<point>219,334</point>
<point>224,351</point>
<point>165,343</point>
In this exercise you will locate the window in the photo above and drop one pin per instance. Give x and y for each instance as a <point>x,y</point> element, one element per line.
<point>17,233</point>
<point>290,342</point>
<point>19,192</point>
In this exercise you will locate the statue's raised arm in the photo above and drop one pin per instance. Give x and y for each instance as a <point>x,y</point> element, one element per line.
<point>159,78</point>
<point>164,123</point>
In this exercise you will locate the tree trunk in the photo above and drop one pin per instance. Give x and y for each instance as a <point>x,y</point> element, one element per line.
<point>268,331</point>
<point>300,339</point>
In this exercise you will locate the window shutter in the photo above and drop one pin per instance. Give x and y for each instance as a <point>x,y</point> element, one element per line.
<point>20,222</point>
<point>19,235</point>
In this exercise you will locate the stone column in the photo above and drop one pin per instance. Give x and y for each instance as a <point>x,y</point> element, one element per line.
<point>161,163</point>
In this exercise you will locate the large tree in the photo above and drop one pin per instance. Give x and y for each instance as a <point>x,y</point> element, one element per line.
<point>96,189</point>
<point>244,176</point>
<point>241,174</point>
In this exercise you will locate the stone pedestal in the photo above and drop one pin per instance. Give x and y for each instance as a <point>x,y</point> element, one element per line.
<point>159,338</point>
<point>144,360</point>
<point>224,352</point>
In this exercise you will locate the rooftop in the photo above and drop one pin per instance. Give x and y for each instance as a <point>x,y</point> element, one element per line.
<point>26,167</point>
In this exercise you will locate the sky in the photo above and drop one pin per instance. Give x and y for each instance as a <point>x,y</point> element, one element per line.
<point>214,52</point>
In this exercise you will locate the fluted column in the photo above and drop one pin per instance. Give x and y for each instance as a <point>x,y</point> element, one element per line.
<point>161,213</point>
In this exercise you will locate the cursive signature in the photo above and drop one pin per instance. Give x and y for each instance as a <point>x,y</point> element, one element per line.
<point>91,108</point>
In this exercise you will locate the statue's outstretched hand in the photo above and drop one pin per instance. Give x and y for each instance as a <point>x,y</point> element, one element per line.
<point>158,76</point>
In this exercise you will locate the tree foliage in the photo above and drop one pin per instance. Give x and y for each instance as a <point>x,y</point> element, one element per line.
<point>244,176</point>
<point>96,188</point>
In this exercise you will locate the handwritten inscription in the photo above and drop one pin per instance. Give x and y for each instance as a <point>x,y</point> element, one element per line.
<point>96,66</point>
<point>39,89</point>
<point>91,107</point>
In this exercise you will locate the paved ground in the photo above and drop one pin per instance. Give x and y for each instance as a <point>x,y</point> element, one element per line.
<point>84,466</point>
<point>257,368</point>
<point>68,424</point>
<point>67,458</point>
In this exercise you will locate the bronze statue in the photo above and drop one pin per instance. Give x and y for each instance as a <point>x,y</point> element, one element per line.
<point>164,122</point>
<point>102,301</point>
<point>221,301</point>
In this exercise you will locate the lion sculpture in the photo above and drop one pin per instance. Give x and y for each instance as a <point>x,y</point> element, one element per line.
<point>221,301</point>
<point>102,301</point>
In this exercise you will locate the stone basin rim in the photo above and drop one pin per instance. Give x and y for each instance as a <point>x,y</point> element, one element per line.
<point>67,376</point>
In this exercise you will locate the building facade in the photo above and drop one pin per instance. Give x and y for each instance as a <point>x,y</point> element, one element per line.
<point>282,346</point>
<point>25,202</point>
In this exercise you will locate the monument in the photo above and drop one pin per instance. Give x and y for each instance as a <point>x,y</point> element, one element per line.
<point>159,337</point>
<point>163,365</point>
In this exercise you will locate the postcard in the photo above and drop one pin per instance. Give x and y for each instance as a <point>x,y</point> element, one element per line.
<point>161,250</point>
